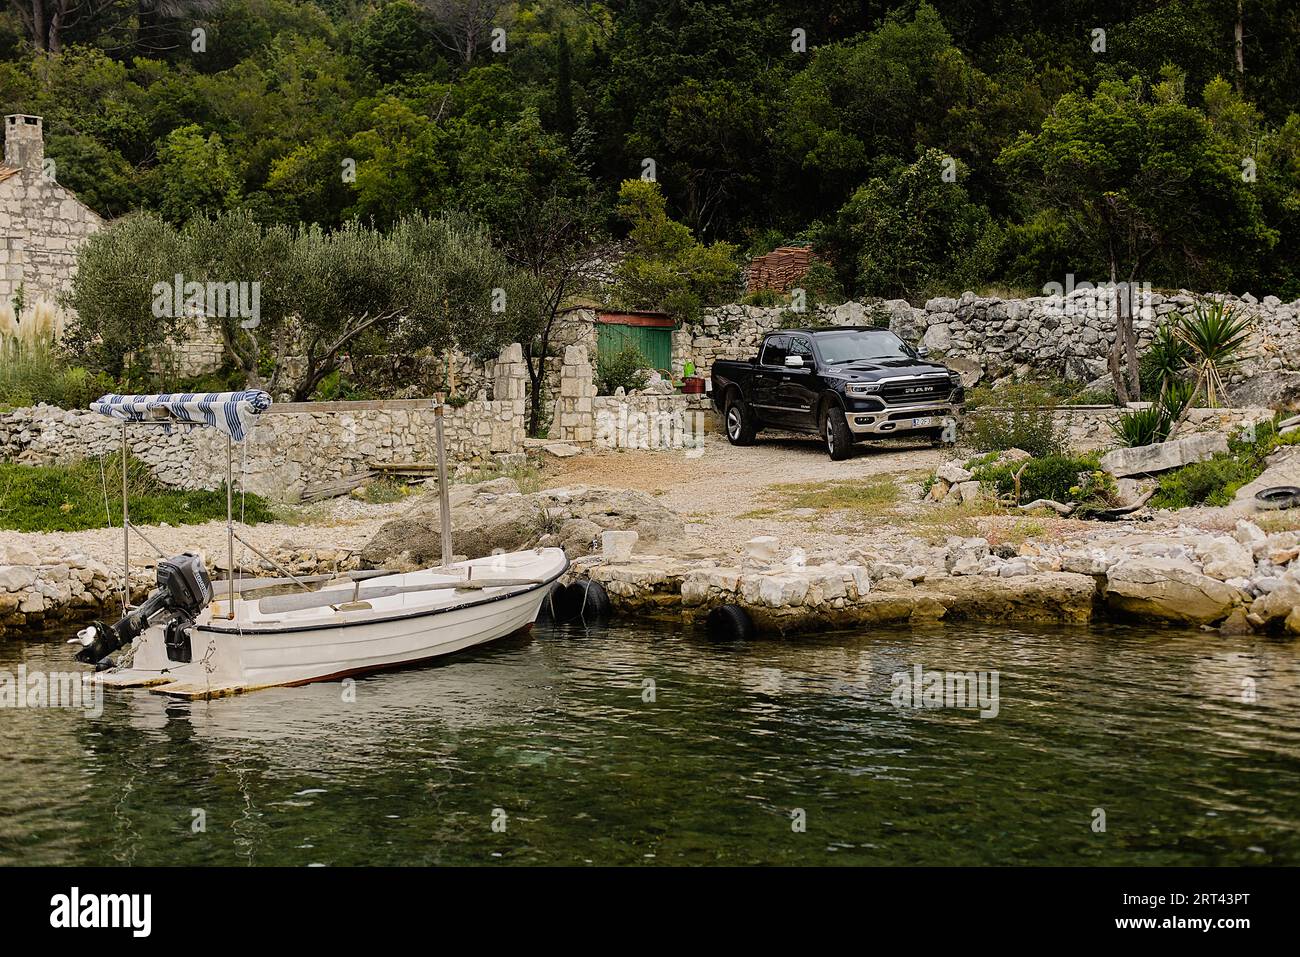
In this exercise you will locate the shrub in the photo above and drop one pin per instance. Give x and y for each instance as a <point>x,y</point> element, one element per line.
<point>1176,398</point>
<point>1216,481</point>
<point>1165,361</point>
<point>1058,477</point>
<point>626,368</point>
<point>763,297</point>
<point>1024,421</point>
<point>1215,334</point>
<point>1213,482</point>
<point>1093,397</point>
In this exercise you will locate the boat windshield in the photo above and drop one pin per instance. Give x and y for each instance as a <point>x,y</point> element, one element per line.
<point>854,345</point>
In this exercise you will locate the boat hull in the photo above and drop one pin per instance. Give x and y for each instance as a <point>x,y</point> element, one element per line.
<point>233,657</point>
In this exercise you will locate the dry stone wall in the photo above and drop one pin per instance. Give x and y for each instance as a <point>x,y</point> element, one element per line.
<point>1064,336</point>
<point>656,421</point>
<point>290,449</point>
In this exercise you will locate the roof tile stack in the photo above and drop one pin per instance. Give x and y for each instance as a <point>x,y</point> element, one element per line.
<point>780,269</point>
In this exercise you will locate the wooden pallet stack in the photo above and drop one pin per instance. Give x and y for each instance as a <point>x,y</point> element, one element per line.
<point>779,270</point>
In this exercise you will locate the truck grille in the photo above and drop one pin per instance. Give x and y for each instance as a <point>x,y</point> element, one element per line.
<point>908,391</point>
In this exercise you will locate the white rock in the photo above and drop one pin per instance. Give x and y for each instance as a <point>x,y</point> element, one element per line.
<point>18,555</point>
<point>16,577</point>
<point>616,546</point>
<point>763,548</point>
<point>953,473</point>
<point>1164,455</point>
<point>1248,533</point>
<point>1225,558</point>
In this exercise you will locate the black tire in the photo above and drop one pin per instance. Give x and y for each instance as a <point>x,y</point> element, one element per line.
<point>729,623</point>
<point>934,436</point>
<point>550,607</point>
<point>1279,496</point>
<point>739,422</point>
<point>583,601</point>
<point>835,430</point>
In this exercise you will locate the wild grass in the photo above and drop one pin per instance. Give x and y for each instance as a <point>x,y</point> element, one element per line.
<point>72,498</point>
<point>934,524</point>
<point>34,371</point>
<point>528,477</point>
<point>866,495</point>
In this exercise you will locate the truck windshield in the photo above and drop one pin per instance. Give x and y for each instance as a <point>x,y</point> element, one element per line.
<point>855,346</point>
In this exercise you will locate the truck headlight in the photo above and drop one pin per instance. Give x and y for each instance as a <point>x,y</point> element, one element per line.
<point>862,388</point>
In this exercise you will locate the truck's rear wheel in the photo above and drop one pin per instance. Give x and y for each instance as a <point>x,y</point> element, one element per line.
<point>739,423</point>
<point>839,440</point>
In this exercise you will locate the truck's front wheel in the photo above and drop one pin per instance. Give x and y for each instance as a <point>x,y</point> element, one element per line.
<point>740,425</point>
<point>839,440</point>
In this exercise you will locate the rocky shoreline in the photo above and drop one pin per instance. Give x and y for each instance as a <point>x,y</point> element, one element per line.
<point>1242,581</point>
<point>1247,581</point>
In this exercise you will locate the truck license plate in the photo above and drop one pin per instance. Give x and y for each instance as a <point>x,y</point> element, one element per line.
<point>921,423</point>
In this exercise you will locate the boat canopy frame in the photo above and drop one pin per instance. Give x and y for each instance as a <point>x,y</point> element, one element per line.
<point>234,414</point>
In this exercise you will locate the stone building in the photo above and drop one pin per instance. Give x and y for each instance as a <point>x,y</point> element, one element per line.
<point>42,224</point>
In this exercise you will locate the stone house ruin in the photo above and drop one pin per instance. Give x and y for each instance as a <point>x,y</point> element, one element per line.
<point>42,225</point>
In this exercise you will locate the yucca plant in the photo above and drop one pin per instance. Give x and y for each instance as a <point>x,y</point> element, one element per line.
<point>1167,358</point>
<point>1216,334</point>
<point>1145,426</point>
<point>1175,399</point>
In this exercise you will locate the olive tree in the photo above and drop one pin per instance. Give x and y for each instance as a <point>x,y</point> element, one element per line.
<point>290,303</point>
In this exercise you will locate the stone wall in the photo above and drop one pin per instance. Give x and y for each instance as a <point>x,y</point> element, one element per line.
<point>735,332</point>
<point>293,446</point>
<point>1057,336</point>
<point>650,420</point>
<point>201,352</point>
<point>1087,428</point>
<point>575,405</point>
<point>42,225</point>
<point>1070,336</point>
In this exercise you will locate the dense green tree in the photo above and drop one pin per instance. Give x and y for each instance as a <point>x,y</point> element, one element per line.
<point>427,283</point>
<point>916,232</point>
<point>764,124</point>
<point>1148,189</point>
<point>666,267</point>
<point>393,41</point>
<point>194,175</point>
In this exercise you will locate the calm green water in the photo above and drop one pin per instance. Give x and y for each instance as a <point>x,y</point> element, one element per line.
<point>1150,726</point>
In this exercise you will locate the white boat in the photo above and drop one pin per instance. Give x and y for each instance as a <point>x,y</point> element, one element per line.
<point>184,640</point>
<point>347,629</point>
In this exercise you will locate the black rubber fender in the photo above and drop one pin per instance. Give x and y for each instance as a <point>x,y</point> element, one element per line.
<point>729,623</point>
<point>551,604</point>
<point>585,601</point>
<point>1279,496</point>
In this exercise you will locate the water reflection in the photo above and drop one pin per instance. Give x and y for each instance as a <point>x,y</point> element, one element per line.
<point>645,745</point>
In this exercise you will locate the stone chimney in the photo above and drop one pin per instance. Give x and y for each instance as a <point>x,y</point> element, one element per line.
<point>24,142</point>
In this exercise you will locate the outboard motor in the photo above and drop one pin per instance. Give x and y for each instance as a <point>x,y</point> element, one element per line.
<point>183,590</point>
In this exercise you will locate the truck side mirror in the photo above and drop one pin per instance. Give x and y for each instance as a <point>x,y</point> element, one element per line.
<point>922,352</point>
<point>794,362</point>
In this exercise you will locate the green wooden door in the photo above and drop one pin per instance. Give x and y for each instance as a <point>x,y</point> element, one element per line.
<point>655,342</point>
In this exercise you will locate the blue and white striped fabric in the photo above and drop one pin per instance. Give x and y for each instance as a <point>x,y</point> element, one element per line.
<point>228,412</point>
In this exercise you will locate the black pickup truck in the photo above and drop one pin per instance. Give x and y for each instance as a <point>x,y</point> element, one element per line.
<point>844,383</point>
